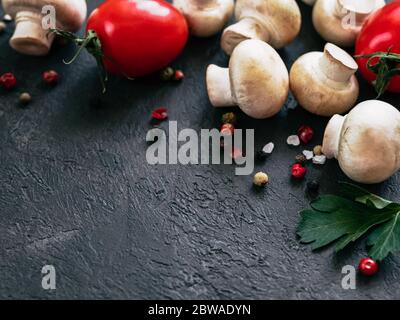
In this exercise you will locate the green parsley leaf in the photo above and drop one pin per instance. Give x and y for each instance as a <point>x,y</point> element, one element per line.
<point>361,195</point>
<point>385,239</point>
<point>345,219</point>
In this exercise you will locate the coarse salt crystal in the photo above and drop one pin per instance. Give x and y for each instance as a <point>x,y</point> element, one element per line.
<point>293,140</point>
<point>268,148</point>
<point>7,18</point>
<point>308,154</point>
<point>319,159</point>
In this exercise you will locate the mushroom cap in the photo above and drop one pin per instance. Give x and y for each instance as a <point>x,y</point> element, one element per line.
<point>281,17</point>
<point>329,25</point>
<point>259,79</point>
<point>317,93</point>
<point>329,21</point>
<point>206,19</point>
<point>369,147</point>
<point>70,14</point>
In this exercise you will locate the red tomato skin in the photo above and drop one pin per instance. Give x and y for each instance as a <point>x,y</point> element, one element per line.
<point>380,32</point>
<point>138,37</point>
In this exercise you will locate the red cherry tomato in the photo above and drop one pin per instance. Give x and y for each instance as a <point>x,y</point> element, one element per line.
<point>380,33</point>
<point>138,37</point>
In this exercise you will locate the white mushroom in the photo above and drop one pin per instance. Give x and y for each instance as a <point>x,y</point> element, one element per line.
<point>340,21</point>
<point>324,83</point>
<point>29,36</point>
<point>205,17</point>
<point>366,142</point>
<point>257,80</point>
<point>276,22</point>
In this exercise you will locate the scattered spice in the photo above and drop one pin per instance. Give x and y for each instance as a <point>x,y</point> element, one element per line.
<point>305,134</point>
<point>301,159</point>
<point>25,98</point>
<point>269,147</point>
<point>167,74</point>
<point>368,267</point>
<point>2,27</point>
<point>7,18</point>
<point>179,75</point>
<point>160,114</point>
<point>260,179</point>
<point>293,140</point>
<point>236,154</point>
<point>317,150</point>
<point>308,154</point>
<point>50,77</point>
<point>298,171</point>
<point>319,159</point>
<point>8,80</point>
<point>229,117</point>
<point>227,129</point>
<point>264,153</point>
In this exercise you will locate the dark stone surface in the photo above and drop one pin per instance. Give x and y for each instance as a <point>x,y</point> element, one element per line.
<point>77,193</point>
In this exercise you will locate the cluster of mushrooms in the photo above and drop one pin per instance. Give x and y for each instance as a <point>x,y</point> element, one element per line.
<point>366,142</point>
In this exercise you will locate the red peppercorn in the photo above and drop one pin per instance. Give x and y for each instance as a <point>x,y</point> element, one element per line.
<point>305,134</point>
<point>160,113</point>
<point>8,80</point>
<point>236,154</point>
<point>179,75</point>
<point>50,77</point>
<point>227,129</point>
<point>298,171</point>
<point>368,267</point>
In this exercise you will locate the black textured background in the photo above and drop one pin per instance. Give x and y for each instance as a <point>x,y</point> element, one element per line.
<point>76,192</point>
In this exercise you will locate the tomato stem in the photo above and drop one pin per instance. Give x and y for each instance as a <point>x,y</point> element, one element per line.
<point>92,44</point>
<point>385,68</point>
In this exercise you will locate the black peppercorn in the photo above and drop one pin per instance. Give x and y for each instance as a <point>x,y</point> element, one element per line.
<point>301,159</point>
<point>313,186</point>
<point>167,74</point>
<point>229,118</point>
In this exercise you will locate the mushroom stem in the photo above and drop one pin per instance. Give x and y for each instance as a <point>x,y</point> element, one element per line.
<point>246,28</point>
<point>29,36</point>
<point>332,136</point>
<point>337,64</point>
<point>219,86</point>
